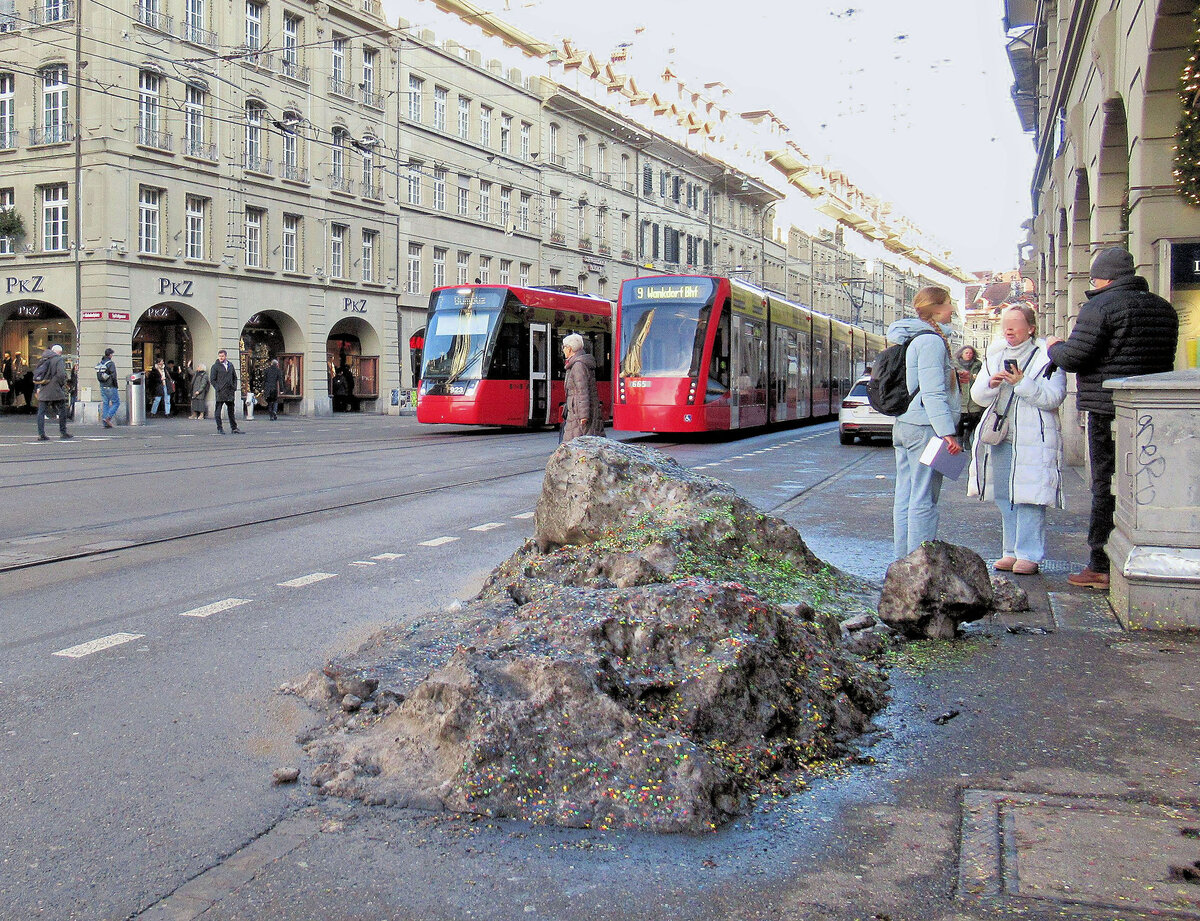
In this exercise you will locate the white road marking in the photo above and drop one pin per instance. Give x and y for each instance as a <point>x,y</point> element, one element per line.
<point>307,580</point>
<point>105,642</point>
<point>216,607</point>
<point>438,541</point>
<point>364,563</point>
<point>524,515</point>
<point>490,526</point>
<point>387,557</point>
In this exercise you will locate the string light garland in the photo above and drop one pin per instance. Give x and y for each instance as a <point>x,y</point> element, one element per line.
<point>1187,135</point>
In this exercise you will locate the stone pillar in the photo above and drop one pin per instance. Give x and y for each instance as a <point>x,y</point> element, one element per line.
<point>1154,549</point>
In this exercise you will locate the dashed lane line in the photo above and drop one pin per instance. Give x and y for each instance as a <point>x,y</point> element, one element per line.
<point>307,580</point>
<point>524,515</point>
<point>387,557</point>
<point>216,607</point>
<point>489,526</point>
<point>438,541</point>
<point>104,642</point>
<point>363,563</point>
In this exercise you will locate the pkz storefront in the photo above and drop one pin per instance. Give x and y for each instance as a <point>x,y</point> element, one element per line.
<point>34,315</point>
<point>329,342</point>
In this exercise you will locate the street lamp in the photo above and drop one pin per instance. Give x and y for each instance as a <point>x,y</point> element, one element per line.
<point>856,301</point>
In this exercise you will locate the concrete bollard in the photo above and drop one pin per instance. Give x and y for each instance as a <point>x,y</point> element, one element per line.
<point>1154,549</point>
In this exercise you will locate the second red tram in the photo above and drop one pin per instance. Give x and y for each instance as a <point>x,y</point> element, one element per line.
<point>697,353</point>
<point>493,354</point>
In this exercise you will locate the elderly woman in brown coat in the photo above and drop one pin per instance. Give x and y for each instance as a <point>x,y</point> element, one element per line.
<point>584,413</point>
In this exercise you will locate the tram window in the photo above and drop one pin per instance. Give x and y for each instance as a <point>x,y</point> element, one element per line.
<point>509,360</point>
<point>718,370</point>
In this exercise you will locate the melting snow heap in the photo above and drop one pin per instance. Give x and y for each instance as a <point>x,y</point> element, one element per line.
<point>614,672</point>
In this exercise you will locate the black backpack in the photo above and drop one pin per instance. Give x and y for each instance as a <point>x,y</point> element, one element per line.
<point>104,376</point>
<point>41,374</point>
<point>887,390</point>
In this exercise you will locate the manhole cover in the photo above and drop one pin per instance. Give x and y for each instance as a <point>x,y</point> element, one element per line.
<point>1092,852</point>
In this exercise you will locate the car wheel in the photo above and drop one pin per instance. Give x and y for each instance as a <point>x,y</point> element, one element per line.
<point>846,438</point>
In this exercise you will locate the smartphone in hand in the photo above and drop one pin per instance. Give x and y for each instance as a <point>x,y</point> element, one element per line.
<point>1010,365</point>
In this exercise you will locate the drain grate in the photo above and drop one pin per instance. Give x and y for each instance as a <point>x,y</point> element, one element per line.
<point>1083,851</point>
<point>1077,611</point>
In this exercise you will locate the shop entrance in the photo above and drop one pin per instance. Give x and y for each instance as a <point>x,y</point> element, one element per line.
<point>353,377</point>
<point>161,332</point>
<point>28,329</point>
<point>261,341</point>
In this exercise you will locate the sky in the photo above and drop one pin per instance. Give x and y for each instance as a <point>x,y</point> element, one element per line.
<point>909,97</point>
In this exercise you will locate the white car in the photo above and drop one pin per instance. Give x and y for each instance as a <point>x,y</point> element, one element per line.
<point>859,419</point>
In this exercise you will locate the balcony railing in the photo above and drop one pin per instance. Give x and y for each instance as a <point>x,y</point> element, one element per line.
<point>372,99</point>
<point>53,11</point>
<point>341,184</point>
<point>370,6</point>
<point>56,134</point>
<point>604,249</point>
<point>558,160</point>
<point>150,16</point>
<point>8,140</point>
<point>586,171</point>
<point>8,22</point>
<point>159,140</point>
<point>257,165</point>
<point>627,255</point>
<point>628,186</point>
<point>293,70</point>
<point>604,178</point>
<point>190,32</point>
<point>585,243</point>
<point>341,87</point>
<point>374,191</point>
<point>293,173</point>
<point>261,60</point>
<point>557,236</point>
<point>196,148</point>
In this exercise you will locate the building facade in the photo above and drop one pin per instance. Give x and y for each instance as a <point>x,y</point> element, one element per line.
<point>178,198</point>
<point>1098,87</point>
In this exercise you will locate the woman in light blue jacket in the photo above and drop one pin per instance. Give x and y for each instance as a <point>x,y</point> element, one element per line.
<point>933,413</point>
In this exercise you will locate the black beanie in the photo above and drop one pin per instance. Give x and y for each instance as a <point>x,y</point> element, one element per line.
<point>1111,263</point>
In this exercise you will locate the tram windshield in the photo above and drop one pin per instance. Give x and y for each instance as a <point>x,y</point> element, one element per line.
<point>663,325</point>
<point>460,331</point>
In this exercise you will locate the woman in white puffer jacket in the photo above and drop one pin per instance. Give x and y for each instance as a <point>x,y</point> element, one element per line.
<point>1024,472</point>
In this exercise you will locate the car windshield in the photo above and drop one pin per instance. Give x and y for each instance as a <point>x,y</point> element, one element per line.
<point>859,389</point>
<point>460,328</point>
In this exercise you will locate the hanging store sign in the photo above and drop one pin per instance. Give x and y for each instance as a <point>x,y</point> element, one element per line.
<point>1185,264</point>
<point>14,284</point>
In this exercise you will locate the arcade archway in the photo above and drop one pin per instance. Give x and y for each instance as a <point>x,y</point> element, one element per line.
<point>267,335</point>
<point>352,365</point>
<point>28,328</point>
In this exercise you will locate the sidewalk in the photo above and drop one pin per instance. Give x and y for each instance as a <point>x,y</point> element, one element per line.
<point>1044,766</point>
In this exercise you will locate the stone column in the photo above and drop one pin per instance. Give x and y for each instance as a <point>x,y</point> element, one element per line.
<point>1155,547</point>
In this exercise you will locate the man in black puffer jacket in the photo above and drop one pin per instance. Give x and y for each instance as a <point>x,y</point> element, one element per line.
<point>1122,330</point>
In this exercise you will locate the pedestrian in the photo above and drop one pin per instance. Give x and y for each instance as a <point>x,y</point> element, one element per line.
<point>933,413</point>
<point>110,395</point>
<point>584,414</point>
<point>22,380</point>
<point>6,369</point>
<point>223,378</point>
<point>968,365</point>
<point>51,381</point>
<point>179,385</point>
<point>1023,472</point>
<point>159,385</point>
<point>1123,329</point>
<point>199,393</point>
<point>271,385</point>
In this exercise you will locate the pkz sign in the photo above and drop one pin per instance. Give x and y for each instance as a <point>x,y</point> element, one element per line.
<point>175,288</point>
<point>32,285</point>
<point>354,305</point>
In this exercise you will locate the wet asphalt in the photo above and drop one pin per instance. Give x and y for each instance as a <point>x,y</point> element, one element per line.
<point>1066,705</point>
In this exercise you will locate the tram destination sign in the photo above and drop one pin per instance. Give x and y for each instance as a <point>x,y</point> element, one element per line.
<point>677,292</point>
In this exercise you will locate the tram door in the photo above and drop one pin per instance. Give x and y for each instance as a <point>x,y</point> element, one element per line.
<point>539,373</point>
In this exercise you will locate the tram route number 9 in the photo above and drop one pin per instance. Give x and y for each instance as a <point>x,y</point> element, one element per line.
<point>667,292</point>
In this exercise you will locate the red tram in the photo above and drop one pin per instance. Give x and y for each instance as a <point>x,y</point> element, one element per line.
<point>493,354</point>
<point>697,353</point>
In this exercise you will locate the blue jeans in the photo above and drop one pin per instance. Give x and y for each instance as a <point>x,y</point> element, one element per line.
<point>1024,525</point>
<point>111,397</point>
<point>915,511</point>
<point>165,399</point>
